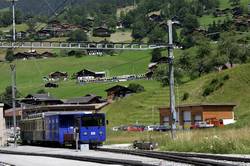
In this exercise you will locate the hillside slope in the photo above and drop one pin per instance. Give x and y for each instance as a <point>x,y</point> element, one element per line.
<point>31,72</point>
<point>142,108</point>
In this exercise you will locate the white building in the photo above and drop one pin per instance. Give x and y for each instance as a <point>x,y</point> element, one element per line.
<point>2,127</point>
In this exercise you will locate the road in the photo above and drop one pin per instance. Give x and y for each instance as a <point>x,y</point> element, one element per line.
<point>19,160</point>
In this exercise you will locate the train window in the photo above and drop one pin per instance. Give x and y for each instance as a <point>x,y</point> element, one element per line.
<point>66,121</point>
<point>92,121</point>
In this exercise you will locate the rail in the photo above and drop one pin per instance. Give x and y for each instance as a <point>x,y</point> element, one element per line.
<point>80,45</point>
<point>81,158</point>
<point>202,160</point>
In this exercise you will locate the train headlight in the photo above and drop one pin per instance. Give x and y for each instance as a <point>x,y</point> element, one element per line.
<point>85,133</point>
<point>101,133</point>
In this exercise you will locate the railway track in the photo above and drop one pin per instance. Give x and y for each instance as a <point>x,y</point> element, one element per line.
<point>5,164</point>
<point>80,158</point>
<point>194,159</point>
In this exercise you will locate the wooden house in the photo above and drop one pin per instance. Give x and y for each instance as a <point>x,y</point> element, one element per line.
<point>189,114</point>
<point>101,32</point>
<point>89,73</point>
<point>58,75</point>
<point>118,92</point>
<point>26,55</point>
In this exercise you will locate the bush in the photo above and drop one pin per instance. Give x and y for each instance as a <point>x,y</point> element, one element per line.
<point>214,85</point>
<point>9,55</point>
<point>185,96</point>
<point>136,87</point>
<point>226,77</point>
<point>41,91</point>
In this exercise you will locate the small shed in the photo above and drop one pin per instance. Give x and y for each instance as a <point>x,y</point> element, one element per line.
<point>118,92</point>
<point>188,114</point>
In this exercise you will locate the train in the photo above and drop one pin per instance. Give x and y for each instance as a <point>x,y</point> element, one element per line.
<point>64,128</point>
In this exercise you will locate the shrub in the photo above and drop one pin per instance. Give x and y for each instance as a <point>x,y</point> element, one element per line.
<point>226,77</point>
<point>185,96</point>
<point>136,87</point>
<point>9,55</point>
<point>214,85</point>
<point>41,91</point>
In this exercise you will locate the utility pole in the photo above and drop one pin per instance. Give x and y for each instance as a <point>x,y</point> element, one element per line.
<point>14,20</point>
<point>13,74</point>
<point>171,78</point>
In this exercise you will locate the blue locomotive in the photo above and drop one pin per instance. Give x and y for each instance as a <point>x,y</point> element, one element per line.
<point>62,127</point>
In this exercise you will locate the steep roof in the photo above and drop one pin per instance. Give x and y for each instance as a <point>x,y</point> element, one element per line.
<point>87,99</point>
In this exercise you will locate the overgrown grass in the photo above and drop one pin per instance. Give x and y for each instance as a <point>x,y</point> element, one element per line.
<point>219,141</point>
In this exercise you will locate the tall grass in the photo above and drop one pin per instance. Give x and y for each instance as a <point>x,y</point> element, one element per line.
<point>218,141</point>
<point>222,141</point>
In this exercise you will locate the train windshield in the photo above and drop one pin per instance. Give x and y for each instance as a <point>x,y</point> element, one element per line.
<point>94,120</point>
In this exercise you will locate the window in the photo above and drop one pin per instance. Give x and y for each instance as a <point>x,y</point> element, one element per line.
<point>92,120</point>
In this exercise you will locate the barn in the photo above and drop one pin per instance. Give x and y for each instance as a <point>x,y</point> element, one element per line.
<point>189,114</point>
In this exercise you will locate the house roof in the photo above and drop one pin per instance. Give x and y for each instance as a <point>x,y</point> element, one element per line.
<point>84,100</point>
<point>119,88</point>
<point>63,73</point>
<point>157,13</point>
<point>204,105</point>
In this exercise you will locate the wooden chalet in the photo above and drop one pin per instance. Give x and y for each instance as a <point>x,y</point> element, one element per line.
<point>101,32</point>
<point>118,92</point>
<point>58,75</point>
<point>26,55</point>
<point>89,73</point>
<point>189,114</point>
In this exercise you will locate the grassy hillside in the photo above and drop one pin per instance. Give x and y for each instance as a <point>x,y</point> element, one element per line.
<point>142,108</point>
<point>138,108</point>
<point>31,72</point>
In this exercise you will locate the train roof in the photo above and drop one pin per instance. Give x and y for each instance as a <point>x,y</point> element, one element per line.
<point>44,114</point>
<point>69,113</point>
